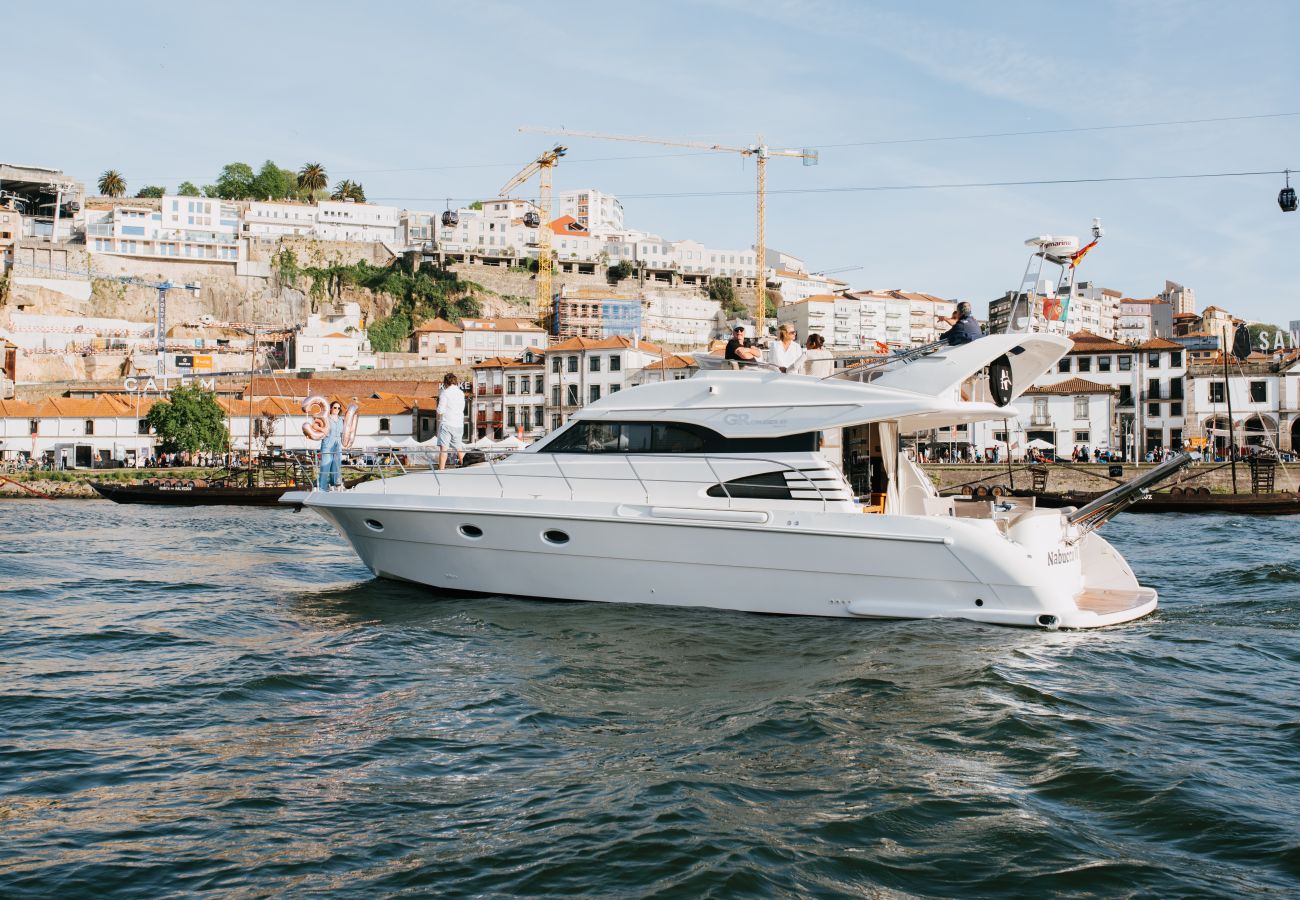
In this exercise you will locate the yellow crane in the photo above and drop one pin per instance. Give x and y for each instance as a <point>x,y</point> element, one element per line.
<point>541,167</point>
<point>759,151</point>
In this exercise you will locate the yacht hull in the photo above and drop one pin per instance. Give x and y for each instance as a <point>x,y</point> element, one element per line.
<point>766,561</point>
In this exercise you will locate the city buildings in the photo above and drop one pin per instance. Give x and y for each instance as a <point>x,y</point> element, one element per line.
<point>334,338</point>
<point>438,342</point>
<point>508,397</point>
<point>581,371</point>
<point>1143,320</point>
<point>191,229</point>
<point>484,338</point>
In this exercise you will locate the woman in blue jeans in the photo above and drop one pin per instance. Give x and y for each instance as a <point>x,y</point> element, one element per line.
<point>331,450</point>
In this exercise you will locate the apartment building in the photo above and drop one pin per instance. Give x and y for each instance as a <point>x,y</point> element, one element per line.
<point>581,371</point>
<point>1144,320</point>
<point>438,342</point>
<point>680,320</point>
<point>196,229</point>
<point>485,338</point>
<point>334,338</point>
<point>508,396</point>
<point>345,220</point>
<point>279,218</point>
<point>597,212</point>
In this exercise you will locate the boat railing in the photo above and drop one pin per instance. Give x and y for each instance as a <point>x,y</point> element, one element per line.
<point>417,460</point>
<point>873,367</point>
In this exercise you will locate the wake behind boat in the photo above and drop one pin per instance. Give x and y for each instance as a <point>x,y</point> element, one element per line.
<point>714,491</point>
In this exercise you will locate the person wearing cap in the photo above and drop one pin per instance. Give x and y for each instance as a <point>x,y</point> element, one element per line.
<point>737,352</point>
<point>965,327</point>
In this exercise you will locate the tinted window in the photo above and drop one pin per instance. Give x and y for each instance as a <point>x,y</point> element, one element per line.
<point>663,437</point>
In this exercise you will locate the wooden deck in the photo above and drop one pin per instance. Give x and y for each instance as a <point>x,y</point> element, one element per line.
<point>1103,600</point>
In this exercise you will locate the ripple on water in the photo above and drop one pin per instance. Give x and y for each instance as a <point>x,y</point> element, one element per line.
<point>224,700</point>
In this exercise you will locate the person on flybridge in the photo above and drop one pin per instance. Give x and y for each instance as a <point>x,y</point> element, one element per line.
<point>964,326</point>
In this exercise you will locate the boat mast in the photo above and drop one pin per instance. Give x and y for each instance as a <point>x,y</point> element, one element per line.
<point>1227,395</point>
<point>252,369</point>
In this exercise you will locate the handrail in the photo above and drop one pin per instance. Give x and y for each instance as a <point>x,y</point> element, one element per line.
<point>802,474</point>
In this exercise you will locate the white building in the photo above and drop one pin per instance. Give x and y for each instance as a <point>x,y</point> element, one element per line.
<point>885,316</point>
<point>796,285</point>
<point>76,432</point>
<point>597,212</point>
<point>484,338</point>
<point>509,397</point>
<point>1144,320</point>
<point>497,230</point>
<point>344,220</point>
<point>333,339</point>
<point>581,371</point>
<point>680,320</point>
<point>198,229</point>
<point>439,342</point>
<point>419,228</point>
<point>279,218</point>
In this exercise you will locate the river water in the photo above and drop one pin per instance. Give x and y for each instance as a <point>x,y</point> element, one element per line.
<point>225,701</point>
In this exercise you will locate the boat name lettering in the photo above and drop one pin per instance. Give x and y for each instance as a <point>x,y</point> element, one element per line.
<point>744,419</point>
<point>1061,557</point>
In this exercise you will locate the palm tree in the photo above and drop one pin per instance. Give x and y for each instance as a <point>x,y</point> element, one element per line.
<point>349,190</point>
<point>312,178</point>
<point>112,184</point>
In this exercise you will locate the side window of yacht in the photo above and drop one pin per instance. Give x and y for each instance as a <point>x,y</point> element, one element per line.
<point>676,439</point>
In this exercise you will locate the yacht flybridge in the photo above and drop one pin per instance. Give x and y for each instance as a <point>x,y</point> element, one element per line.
<point>726,490</point>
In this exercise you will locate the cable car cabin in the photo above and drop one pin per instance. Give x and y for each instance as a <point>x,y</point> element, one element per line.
<point>532,220</point>
<point>450,217</point>
<point>1286,199</point>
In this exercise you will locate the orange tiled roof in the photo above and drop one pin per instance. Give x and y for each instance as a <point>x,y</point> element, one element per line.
<point>16,409</point>
<point>561,226</point>
<point>615,343</point>
<point>1087,342</point>
<point>438,324</point>
<point>1159,344</point>
<point>501,323</point>
<point>1073,386</point>
<point>673,362</point>
<point>292,386</point>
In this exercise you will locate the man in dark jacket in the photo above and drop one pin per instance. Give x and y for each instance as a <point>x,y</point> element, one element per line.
<point>965,327</point>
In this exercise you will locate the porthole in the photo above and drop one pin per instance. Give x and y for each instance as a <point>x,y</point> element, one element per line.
<point>555,537</point>
<point>374,525</point>
<point>473,532</point>
<point>979,602</point>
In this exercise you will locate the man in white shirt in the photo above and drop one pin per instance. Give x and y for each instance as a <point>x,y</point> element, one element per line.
<point>451,419</point>
<point>785,352</point>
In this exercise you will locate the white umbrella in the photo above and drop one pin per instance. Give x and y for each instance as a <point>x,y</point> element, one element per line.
<point>1040,444</point>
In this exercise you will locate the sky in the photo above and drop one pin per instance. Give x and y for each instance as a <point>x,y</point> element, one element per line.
<point>423,101</point>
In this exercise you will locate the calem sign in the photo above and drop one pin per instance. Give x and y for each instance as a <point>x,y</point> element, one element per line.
<point>161,384</point>
<point>1270,342</point>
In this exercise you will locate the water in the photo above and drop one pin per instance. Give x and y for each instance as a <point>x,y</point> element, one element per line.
<point>225,701</point>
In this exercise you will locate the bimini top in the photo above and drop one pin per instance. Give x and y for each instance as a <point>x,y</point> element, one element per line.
<point>929,391</point>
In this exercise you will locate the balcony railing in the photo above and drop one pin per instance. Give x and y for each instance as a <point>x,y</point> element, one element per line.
<point>1040,420</point>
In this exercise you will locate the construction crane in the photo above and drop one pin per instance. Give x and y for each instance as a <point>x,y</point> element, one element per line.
<point>541,167</point>
<point>759,151</point>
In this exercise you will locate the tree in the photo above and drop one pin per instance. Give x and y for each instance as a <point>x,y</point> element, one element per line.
<point>620,270</point>
<point>477,204</point>
<point>189,189</point>
<point>235,181</point>
<point>151,190</point>
<point>1255,328</point>
<point>312,178</point>
<point>112,184</point>
<point>349,190</point>
<point>190,420</point>
<point>273,183</point>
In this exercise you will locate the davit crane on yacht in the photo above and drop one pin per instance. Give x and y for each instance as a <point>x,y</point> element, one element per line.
<point>719,491</point>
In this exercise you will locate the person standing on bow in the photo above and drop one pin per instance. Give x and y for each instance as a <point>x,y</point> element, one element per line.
<point>785,352</point>
<point>331,450</point>
<point>451,420</point>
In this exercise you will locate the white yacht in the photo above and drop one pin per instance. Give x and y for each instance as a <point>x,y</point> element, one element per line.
<point>722,491</point>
